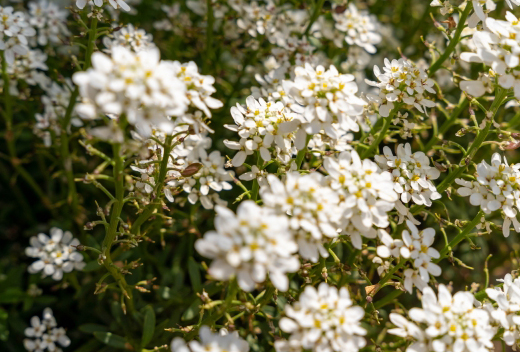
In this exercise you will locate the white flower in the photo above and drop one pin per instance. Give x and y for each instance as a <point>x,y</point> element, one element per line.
<point>414,245</point>
<point>323,319</point>
<point>265,127</point>
<point>483,85</point>
<point>447,8</point>
<point>497,45</point>
<point>14,28</point>
<point>446,324</point>
<point>28,68</point>
<point>507,312</point>
<point>139,85</point>
<point>258,18</point>
<point>223,341</point>
<point>50,22</point>
<point>327,100</point>
<point>56,254</point>
<point>312,206</point>
<point>43,335</point>
<point>401,82</point>
<point>360,27</point>
<point>198,87</point>
<point>481,9</point>
<point>511,3</point>
<point>251,244</point>
<point>99,3</point>
<point>496,188</point>
<point>191,168</point>
<point>129,37</point>
<point>411,173</point>
<point>55,102</point>
<point>367,193</point>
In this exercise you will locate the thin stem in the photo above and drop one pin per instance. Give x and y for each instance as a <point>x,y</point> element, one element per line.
<point>209,34</point>
<point>474,147</point>
<point>389,275</point>
<point>461,236</point>
<point>453,42</point>
<point>301,153</point>
<point>150,208</point>
<point>210,320</point>
<point>256,185</point>
<point>10,138</point>
<point>381,135</point>
<point>72,197</point>
<point>111,233</point>
<point>315,15</point>
<point>447,124</point>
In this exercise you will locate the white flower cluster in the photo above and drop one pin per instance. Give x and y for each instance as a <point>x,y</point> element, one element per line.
<point>50,22</point>
<point>250,245</point>
<point>198,87</point>
<point>312,206</point>
<point>14,30</point>
<point>44,335</point>
<point>28,68</point>
<point>366,192</point>
<point>56,254</point>
<point>258,18</point>
<point>99,3</point>
<point>497,46</point>
<point>55,104</point>
<point>223,341</point>
<point>415,246</point>
<point>411,173</point>
<point>401,82</point>
<point>496,188</point>
<point>190,168</point>
<point>507,312</point>
<point>129,37</point>
<point>446,324</point>
<point>326,99</point>
<point>482,8</point>
<point>138,85</point>
<point>323,320</point>
<point>266,127</point>
<point>176,20</point>
<point>360,28</point>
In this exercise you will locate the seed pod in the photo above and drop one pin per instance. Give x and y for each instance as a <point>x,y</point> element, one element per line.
<point>191,169</point>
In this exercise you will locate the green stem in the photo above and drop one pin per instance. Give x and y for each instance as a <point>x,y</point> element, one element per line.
<point>382,133</point>
<point>209,35</point>
<point>111,233</point>
<point>72,197</point>
<point>447,124</point>
<point>462,235</point>
<point>315,15</point>
<point>150,208</point>
<point>256,186</point>
<point>301,153</point>
<point>388,276</point>
<point>453,42</point>
<point>210,320</point>
<point>10,138</point>
<point>474,147</point>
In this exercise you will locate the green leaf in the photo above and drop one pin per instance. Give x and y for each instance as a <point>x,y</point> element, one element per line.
<point>91,266</point>
<point>110,339</point>
<point>192,311</point>
<point>91,346</point>
<point>148,326</point>
<point>194,272</point>
<point>12,295</point>
<point>91,328</point>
